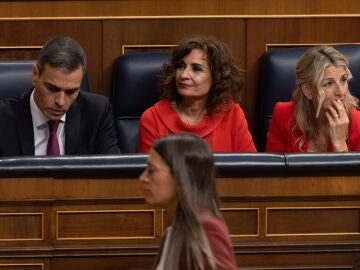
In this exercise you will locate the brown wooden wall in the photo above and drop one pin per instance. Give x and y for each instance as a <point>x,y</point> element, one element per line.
<point>61,8</point>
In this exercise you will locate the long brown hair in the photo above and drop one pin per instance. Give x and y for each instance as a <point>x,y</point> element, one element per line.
<point>192,165</point>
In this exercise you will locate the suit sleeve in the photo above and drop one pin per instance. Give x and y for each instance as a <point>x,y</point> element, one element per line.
<point>106,142</point>
<point>275,138</point>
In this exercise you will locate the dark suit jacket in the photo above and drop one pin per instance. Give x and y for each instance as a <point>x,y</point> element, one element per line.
<point>89,127</point>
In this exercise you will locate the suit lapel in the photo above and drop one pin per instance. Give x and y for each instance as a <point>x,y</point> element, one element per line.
<point>25,126</point>
<point>72,130</point>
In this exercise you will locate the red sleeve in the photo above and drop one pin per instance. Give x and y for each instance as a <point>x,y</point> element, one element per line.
<point>354,131</point>
<point>147,131</point>
<point>220,243</point>
<point>276,139</point>
<point>246,143</point>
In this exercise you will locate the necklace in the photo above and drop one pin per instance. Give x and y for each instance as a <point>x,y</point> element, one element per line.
<point>191,121</point>
<point>197,117</point>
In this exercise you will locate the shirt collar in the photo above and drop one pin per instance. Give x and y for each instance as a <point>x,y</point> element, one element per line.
<point>39,119</point>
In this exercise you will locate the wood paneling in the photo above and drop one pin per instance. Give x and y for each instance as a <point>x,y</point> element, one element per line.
<point>136,262</point>
<point>20,266</point>
<point>105,224</point>
<point>118,33</point>
<point>273,222</point>
<point>313,221</point>
<point>35,33</point>
<point>301,259</point>
<point>24,264</point>
<point>175,8</point>
<point>18,53</point>
<point>21,226</point>
<point>242,221</point>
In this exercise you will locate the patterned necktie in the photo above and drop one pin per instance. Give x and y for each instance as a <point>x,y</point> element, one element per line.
<point>53,144</point>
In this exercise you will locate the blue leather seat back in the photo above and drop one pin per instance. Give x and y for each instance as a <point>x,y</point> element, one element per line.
<point>135,87</point>
<point>278,80</point>
<point>15,78</point>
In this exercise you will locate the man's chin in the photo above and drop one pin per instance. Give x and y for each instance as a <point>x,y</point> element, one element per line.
<point>53,116</point>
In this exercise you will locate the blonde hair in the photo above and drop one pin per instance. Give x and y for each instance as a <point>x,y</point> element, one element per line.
<point>310,71</point>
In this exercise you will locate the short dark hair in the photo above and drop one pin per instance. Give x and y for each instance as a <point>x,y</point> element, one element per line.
<point>227,77</point>
<point>62,52</point>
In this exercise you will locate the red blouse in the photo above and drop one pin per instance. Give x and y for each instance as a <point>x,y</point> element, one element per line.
<point>225,131</point>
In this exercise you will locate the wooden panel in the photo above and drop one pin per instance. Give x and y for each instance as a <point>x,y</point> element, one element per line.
<point>303,267</point>
<point>296,260</point>
<point>20,266</point>
<point>34,33</point>
<point>30,188</point>
<point>296,31</point>
<point>184,7</point>
<point>145,261</point>
<point>24,264</point>
<point>147,48</point>
<point>313,221</point>
<point>242,221</point>
<point>21,226</point>
<point>105,224</point>
<point>118,33</point>
<point>19,53</point>
<point>305,186</point>
<point>96,189</point>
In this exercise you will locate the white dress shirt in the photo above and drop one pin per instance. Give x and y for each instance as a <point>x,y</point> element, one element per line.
<point>41,129</point>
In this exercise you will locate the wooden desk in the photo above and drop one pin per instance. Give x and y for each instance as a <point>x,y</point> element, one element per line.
<point>89,213</point>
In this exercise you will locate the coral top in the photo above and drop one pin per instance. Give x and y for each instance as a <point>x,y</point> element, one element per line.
<point>225,131</point>
<point>218,236</point>
<point>281,137</point>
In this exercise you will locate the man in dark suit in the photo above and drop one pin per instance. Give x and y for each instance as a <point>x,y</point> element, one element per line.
<point>84,121</point>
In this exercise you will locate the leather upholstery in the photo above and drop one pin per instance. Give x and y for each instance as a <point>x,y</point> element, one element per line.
<point>278,80</point>
<point>135,87</point>
<point>227,165</point>
<point>323,163</point>
<point>15,78</point>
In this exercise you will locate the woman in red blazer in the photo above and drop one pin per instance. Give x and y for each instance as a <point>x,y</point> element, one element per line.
<point>322,116</point>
